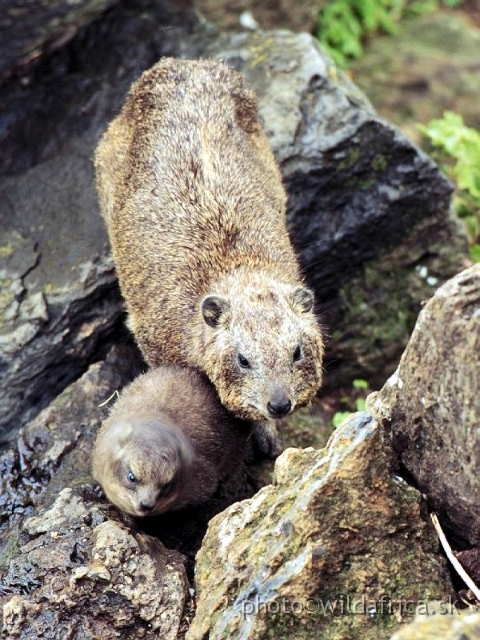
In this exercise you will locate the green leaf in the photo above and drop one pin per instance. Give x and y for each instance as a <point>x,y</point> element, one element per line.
<point>462,146</point>
<point>475,252</point>
<point>360,404</point>
<point>340,417</point>
<point>343,25</point>
<point>360,384</point>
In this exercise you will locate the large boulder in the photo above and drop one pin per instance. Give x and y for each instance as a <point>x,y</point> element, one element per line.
<point>368,212</point>
<point>336,548</point>
<point>29,29</point>
<point>430,407</point>
<point>60,307</point>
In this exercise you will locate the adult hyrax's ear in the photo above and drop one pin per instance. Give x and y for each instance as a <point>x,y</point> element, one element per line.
<point>302,300</point>
<point>213,307</point>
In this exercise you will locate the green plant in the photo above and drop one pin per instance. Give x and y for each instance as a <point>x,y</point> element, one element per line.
<point>358,383</point>
<point>339,417</point>
<point>344,24</point>
<point>355,400</point>
<point>459,157</point>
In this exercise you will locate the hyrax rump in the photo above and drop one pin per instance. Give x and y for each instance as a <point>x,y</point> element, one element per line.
<point>195,210</point>
<point>168,443</point>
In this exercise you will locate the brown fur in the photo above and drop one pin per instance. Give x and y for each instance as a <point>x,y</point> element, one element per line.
<point>195,210</point>
<point>169,429</point>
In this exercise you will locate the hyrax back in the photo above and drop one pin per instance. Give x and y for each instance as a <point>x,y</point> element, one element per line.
<point>168,443</point>
<point>195,210</point>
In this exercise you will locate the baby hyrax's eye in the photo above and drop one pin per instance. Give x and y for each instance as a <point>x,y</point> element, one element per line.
<point>297,354</point>
<point>131,478</point>
<point>243,362</point>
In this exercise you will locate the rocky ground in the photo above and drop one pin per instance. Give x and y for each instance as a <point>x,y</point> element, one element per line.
<point>340,526</point>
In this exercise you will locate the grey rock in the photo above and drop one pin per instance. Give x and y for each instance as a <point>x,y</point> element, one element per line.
<point>60,307</point>
<point>335,548</point>
<point>430,407</point>
<point>49,332</point>
<point>27,30</point>
<point>79,573</point>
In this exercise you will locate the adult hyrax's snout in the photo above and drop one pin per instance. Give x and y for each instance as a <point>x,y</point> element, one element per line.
<point>279,405</point>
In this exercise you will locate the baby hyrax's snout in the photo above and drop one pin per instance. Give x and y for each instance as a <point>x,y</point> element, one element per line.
<point>147,502</point>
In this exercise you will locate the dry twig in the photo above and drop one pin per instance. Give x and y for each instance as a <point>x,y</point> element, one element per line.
<point>115,393</point>
<point>455,563</point>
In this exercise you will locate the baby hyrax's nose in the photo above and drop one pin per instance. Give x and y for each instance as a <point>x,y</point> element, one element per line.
<point>146,506</point>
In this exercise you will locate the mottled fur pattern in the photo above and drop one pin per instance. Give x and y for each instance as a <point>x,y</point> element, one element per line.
<point>195,210</point>
<point>169,430</point>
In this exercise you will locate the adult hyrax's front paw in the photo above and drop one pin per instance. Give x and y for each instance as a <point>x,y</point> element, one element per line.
<point>268,438</point>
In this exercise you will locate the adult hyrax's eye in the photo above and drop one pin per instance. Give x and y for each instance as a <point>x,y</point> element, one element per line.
<point>243,362</point>
<point>297,354</point>
<point>131,478</point>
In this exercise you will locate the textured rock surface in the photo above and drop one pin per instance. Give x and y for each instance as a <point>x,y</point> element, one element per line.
<point>442,627</point>
<point>49,332</point>
<point>430,407</point>
<point>67,99</point>
<point>26,29</point>
<point>335,530</point>
<point>431,65</point>
<point>79,574</point>
<point>367,211</point>
<point>53,451</point>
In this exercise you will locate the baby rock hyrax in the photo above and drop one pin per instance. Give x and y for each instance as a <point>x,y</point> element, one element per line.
<point>195,209</point>
<point>168,443</point>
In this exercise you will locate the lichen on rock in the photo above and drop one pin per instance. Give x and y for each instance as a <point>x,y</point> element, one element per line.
<point>334,532</point>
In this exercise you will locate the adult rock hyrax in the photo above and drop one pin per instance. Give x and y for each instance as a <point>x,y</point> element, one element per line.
<point>168,443</point>
<point>195,210</point>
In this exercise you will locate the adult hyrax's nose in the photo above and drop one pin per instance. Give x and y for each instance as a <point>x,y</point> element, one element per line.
<point>279,406</point>
<point>146,506</point>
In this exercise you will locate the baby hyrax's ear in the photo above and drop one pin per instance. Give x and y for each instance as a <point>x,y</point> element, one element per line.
<point>117,437</point>
<point>302,300</point>
<point>214,309</point>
